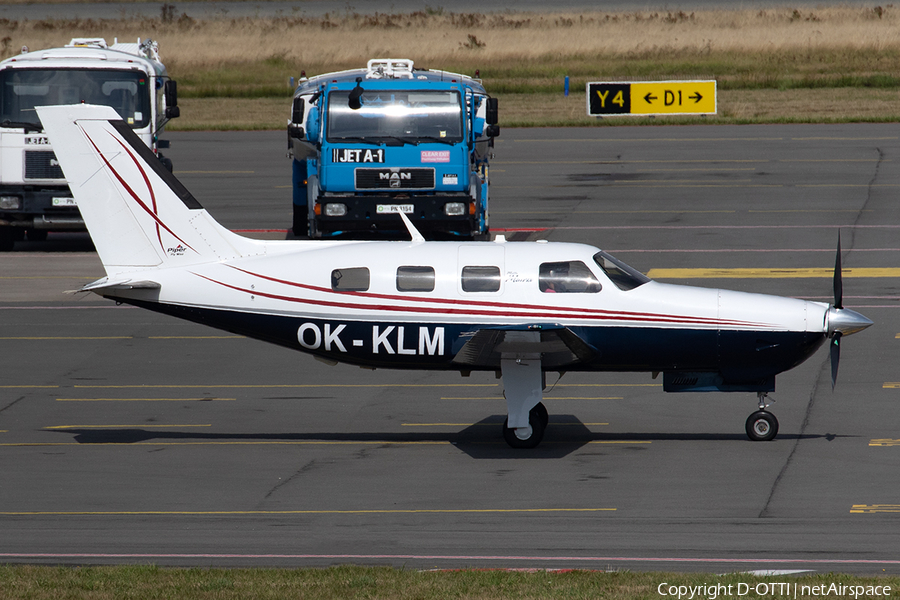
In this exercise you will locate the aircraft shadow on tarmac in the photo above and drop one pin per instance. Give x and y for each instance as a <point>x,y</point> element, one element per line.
<point>565,434</point>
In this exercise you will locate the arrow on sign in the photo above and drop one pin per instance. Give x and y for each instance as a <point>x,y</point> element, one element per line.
<point>649,97</point>
<point>696,97</point>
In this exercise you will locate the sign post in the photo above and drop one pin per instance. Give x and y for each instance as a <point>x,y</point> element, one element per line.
<point>651,98</point>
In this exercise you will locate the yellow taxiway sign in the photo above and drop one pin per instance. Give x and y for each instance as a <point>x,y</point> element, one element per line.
<point>651,98</point>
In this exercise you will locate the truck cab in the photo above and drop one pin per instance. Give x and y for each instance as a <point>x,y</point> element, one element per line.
<point>369,143</point>
<point>34,195</point>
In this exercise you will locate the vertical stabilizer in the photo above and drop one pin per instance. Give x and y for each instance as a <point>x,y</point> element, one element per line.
<point>138,214</point>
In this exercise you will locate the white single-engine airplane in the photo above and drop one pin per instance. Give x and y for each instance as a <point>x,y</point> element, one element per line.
<point>518,308</point>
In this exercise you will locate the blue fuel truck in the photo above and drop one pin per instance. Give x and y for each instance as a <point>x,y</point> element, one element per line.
<point>368,143</point>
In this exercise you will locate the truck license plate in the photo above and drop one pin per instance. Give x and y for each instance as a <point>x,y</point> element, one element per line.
<point>396,208</point>
<point>64,202</point>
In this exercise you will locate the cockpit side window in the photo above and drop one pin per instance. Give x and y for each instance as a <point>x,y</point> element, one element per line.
<point>353,279</point>
<point>624,277</point>
<point>415,279</point>
<point>567,277</point>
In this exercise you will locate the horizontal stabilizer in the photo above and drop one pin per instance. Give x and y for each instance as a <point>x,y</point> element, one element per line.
<point>119,284</point>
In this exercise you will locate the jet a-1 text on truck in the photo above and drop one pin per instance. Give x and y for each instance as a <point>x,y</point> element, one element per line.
<point>129,77</point>
<point>369,143</point>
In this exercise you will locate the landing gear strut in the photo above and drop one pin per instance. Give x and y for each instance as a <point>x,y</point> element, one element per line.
<point>762,425</point>
<point>523,387</point>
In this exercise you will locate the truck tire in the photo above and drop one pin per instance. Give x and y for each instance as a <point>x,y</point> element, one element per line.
<point>167,162</point>
<point>7,239</point>
<point>36,235</point>
<point>299,198</point>
<point>301,221</point>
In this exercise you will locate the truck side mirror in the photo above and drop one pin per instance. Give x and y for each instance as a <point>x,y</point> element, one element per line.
<point>491,116</point>
<point>355,100</point>
<point>297,111</point>
<point>492,131</point>
<point>171,93</point>
<point>296,131</point>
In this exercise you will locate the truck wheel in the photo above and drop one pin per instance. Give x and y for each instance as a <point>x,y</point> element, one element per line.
<point>7,239</point>
<point>36,235</point>
<point>301,221</point>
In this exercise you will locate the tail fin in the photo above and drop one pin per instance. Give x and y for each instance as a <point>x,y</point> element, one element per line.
<point>138,214</point>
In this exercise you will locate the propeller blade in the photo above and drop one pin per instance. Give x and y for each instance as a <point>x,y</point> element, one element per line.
<point>835,356</point>
<point>838,277</point>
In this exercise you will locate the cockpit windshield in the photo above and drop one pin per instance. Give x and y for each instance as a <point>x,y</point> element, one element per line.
<point>624,277</point>
<point>400,115</point>
<point>21,90</point>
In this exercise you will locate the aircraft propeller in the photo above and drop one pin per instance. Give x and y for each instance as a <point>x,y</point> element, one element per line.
<point>841,321</point>
<point>835,350</point>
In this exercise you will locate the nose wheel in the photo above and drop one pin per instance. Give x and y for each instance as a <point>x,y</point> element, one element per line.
<point>762,425</point>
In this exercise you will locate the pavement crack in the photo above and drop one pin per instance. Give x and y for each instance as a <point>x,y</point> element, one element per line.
<point>311,465</point>
<point>13,403</point>
<point>787,463</point>
<point>869,194</point>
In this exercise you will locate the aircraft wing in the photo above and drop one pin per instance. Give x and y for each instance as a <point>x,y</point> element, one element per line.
<point>558,346</point>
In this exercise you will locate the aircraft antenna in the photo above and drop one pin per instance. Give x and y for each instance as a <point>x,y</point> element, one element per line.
<point>413,232</point>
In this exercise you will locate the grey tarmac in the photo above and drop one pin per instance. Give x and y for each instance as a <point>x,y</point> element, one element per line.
<point>131,437</point>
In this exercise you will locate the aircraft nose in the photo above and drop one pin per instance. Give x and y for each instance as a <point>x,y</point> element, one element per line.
<point>846,321</point>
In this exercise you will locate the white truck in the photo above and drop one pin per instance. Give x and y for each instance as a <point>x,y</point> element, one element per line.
<point>34,195</point>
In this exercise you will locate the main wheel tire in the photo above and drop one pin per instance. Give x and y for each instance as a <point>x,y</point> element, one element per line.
<point>762,426</point>
<point>537,433</point>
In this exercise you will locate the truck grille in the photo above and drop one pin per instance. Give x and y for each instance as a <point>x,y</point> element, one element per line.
<point>42,164</point>
<point>386,179</point>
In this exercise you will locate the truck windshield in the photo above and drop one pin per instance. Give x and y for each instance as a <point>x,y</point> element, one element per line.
<point>23,89</point>
<point>409,116</point>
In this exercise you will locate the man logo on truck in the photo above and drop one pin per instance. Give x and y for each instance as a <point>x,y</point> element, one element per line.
<point>395,177</point>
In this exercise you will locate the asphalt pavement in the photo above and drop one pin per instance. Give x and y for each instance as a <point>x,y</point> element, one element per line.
<point>127,436</point>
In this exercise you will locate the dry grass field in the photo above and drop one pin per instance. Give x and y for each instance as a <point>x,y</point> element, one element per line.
<point>776,64</point>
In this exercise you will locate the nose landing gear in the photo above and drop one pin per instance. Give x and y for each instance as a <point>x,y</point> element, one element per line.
<point>762,425</point>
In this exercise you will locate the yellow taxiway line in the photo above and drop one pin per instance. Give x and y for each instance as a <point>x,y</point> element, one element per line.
<point>875,508</point>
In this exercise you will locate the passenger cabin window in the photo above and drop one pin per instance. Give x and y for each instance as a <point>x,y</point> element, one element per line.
<point>481,279</point>
<point>355,279</point>
<point>415,279</point>
<point>624,277</point>
<point>567,277</point>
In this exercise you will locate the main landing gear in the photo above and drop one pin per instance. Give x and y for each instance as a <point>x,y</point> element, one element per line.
<point>523,386</point>
<point>762,425</point>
